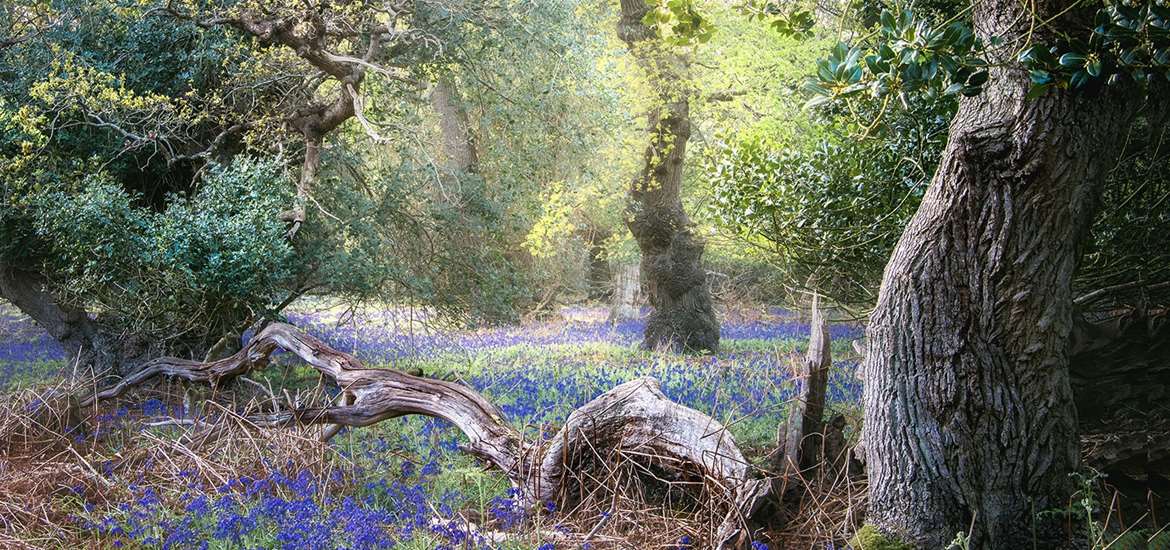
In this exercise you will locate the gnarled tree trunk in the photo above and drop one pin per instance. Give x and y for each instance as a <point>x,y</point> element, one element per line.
<point>969,415</point>
<point>672,268</point>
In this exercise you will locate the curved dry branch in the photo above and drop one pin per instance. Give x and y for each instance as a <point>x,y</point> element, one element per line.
<point>634,418</point>
<point>638,419</point>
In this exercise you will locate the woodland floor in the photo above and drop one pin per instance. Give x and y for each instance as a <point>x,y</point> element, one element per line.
<point>146,472</point>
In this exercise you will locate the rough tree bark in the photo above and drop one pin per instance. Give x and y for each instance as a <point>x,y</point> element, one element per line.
<point>85,342</point>
<point>969,415</point>
<point>457,151</point>
<point>672,269</point>
<point>635,418</point>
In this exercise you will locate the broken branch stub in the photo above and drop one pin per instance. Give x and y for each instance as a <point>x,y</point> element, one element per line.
<point>635,418</point>
<point>804,433</point>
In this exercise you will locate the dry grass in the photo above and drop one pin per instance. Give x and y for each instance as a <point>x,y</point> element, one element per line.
<point>826,505</point>
<point>611,500</point>
<point>52,452</point>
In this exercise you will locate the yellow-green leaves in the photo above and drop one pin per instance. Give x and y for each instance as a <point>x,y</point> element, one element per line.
<point>554,225</point>
<point>678,22</point>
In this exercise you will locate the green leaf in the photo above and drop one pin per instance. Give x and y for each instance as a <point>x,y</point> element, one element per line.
<point>813,87</point>
<point>1162,56</point>
<point>853,56</point>
<point>1037,90</point>
<point>906,19</point>
<point>825,72</point>
<point>1094,69</point>
<point>1031,54</point>
<point>817,102</point>
<point>853,89</point>
<point>1078,79</point>
<point>1072,59</point>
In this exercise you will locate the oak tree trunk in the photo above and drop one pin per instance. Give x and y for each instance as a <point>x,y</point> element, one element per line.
<point>672,269</point>
<point>969,417</point>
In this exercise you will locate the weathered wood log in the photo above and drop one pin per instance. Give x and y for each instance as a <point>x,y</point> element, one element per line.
<point>635,418</point>
<point>804,434</point>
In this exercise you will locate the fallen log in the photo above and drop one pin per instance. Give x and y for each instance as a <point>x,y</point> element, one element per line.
<point>634,418</point>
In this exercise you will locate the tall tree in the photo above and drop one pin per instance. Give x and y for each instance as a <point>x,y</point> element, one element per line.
<point>672,268</point>
<point>969,415</point>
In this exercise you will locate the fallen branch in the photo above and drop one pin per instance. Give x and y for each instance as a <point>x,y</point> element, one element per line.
<point>635,418</point>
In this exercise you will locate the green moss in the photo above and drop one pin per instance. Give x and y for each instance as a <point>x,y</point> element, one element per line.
<point>869,538</point>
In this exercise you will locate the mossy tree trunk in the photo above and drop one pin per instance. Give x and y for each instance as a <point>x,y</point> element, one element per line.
<point>672,270</point>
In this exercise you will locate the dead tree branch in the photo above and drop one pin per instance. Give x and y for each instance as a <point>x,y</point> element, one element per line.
<point>635,418</point>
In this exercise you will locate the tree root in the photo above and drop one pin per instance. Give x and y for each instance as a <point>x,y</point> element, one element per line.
<point>635,418</point>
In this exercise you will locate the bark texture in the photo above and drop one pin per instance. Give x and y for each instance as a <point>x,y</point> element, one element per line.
<point>672,268</point>
<point>969,415</point>
<point>458,151</point>
<point>86,344</point>
<point>635,418</point>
